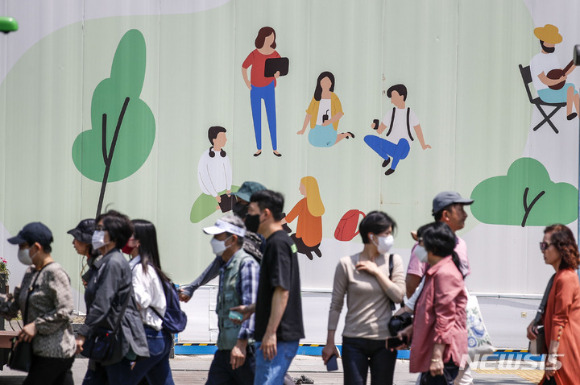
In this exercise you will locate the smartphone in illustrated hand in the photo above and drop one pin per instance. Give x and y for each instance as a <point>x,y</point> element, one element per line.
<point>377,123</point>
<point>236,315</point>
<point>332,365</point>
<point>395,342</point>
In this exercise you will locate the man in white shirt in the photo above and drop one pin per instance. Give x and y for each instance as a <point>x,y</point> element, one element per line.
<point>546,61</point>
<point>399,120</point>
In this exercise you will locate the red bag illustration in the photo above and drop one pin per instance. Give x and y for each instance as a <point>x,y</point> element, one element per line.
<point>346,229</point>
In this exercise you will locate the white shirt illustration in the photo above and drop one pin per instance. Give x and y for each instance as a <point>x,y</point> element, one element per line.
<point>542,62</point>
<point>400,124</point>
<point>214,174</point>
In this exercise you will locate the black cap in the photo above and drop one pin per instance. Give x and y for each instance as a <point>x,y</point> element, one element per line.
<point>84,231</point>
<point>32,233</point>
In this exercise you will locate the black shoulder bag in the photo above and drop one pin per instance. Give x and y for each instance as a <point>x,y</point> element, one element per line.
<point>538,346</point>
<point>101,344</point>
<point>21,352</point>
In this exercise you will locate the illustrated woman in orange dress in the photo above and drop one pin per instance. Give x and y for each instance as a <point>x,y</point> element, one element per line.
<point>309,212</point>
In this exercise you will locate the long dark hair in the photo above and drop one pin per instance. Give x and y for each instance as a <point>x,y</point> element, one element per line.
<point>439,239</point>
<point>318,89</point>
<point>146,234</point>
<point>263,33</point>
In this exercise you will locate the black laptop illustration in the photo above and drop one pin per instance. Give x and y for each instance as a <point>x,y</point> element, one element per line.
<point>276,64</point>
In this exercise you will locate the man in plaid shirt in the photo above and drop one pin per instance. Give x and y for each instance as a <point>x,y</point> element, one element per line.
<point>234,362</point>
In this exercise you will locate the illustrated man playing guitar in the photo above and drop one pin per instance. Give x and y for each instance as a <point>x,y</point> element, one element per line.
<point>549,80</point>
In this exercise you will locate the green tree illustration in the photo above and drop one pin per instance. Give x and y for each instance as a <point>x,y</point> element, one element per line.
<point>526,196</point>
<point>123,126</point>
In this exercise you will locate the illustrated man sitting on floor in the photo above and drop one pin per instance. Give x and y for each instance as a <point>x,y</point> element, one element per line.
<point>399,120</point>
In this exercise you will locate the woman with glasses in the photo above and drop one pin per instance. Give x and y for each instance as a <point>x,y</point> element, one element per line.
<point>561,318</point>
<point>109,300</point>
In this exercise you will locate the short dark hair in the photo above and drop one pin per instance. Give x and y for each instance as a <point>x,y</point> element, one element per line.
<point>375,222</point>
<point>400,88</point>
<point>46,248</point>
<point>263,33</point>
<point>213,132</point>
<point>118,226</point>
<point>271,200</point>
<point>439,239</point>
<point>439,214</point>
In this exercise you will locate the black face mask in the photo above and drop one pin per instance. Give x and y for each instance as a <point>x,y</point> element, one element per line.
<point>252,223</point>
<point>240,210</point>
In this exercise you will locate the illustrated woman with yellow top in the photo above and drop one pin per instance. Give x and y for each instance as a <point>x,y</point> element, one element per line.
<point>323,113</point>
<point>309,211</point>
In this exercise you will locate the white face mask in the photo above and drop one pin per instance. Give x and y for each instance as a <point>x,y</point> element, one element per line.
<point>384,244</point>
<point>421,253</point>
<point>218,247</point>
<point>98,240</point>
<point>24,257</point>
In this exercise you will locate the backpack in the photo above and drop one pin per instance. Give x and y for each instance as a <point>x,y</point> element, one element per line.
<point>175,319</point>
<point>408,125</point>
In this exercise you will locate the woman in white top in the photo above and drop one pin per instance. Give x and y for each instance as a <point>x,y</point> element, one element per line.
<point>370,288</point>
<point>150,299</point>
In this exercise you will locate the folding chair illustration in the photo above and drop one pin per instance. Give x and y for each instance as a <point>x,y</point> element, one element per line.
<point>527,78</point>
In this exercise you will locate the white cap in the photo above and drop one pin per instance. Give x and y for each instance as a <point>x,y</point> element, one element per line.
<point>224,227</point>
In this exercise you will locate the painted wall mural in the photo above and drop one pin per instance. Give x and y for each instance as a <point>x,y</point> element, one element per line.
<point>525,197</point>
<point>323,114</point>
<point>214,174</point>
<point>123,125</point>
<point>399,121</point>
<point>308,211</point>
<point>141,93</point>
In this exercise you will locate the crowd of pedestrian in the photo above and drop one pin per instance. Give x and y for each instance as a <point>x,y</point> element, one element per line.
<point>133,309</point>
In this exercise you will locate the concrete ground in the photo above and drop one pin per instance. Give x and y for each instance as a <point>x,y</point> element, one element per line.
<point>193,370</point>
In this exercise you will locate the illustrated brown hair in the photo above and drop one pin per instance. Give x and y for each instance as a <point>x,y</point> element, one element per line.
<point>262,34</point>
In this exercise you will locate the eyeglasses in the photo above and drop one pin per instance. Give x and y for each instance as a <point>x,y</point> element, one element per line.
<point>544,245</point>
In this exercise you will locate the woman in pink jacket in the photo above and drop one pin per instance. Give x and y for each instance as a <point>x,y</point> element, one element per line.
<point>439,334</point>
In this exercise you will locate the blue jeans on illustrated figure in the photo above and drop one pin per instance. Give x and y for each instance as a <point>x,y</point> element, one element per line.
<point>322,136</point>
<point>256,95</point>
<point>549,95</point>
<point>360,354</point>
<point>271,372</point>
<point>221,372</point>
<point>387,149</point>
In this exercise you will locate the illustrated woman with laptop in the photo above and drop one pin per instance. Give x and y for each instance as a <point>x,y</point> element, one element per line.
<point>267,66</point>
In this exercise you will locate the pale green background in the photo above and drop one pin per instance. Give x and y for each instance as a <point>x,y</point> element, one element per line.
<point>458,59</point>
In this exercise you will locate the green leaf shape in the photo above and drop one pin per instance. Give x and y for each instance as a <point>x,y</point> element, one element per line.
<point>205,205</point>
<point>137,132</point>
<point>500,200</point>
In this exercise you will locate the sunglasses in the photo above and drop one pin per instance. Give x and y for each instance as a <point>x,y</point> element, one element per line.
<point>544,245</point>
